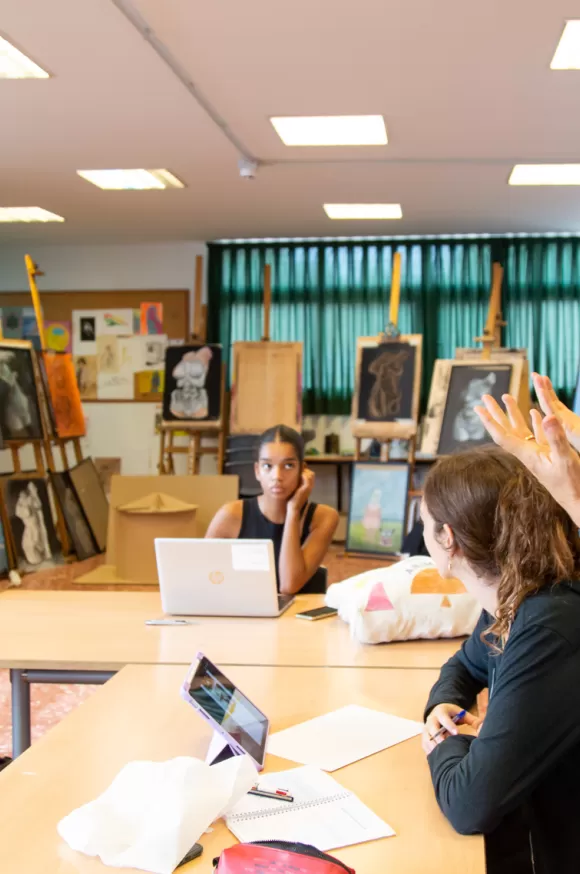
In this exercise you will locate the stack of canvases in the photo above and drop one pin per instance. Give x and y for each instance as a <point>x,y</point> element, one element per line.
<point>39,403</point>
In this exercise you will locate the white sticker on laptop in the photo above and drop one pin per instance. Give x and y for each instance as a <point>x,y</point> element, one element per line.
<point>250,557</point>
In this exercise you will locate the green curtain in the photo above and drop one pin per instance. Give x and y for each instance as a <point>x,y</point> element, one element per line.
<point>328,293</point>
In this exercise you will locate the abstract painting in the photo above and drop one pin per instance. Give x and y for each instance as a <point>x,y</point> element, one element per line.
<point>19,406</point>
<point>92,498</point>
<point>58,336</point>
<point>192,383</point>
<point>386,381</point>
<point>378,508</point>
<point>64,393</point>
<point>32,530</point>
<point>74,517</point>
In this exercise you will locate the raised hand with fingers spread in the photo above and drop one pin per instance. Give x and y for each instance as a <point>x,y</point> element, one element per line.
<point>546,452</point>
<point>552,405</point>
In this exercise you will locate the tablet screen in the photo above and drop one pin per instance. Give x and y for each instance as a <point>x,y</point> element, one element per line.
<point>227,706</point>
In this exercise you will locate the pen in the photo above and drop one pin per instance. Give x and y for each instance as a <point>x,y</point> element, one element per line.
<point>456,719</point>
<point>278,794</point>
<point>170,622</point>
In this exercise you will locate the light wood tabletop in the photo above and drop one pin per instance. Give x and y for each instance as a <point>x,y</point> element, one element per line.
<point>50,630</point>
<point>139,715</point>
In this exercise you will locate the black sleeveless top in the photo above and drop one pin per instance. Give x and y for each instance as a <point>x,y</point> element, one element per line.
<point>255,526</point>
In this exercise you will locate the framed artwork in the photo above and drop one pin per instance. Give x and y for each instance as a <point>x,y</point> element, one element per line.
<point>388,379</point>
<point>93,500</point>
<point>74,517</point>
<point>378,508</point>
<point>29,517</point>
<point>266,386</point>
<point>65,395</point>
<point>451,424</point>
<point>192,387</point>
<point>19,404</point>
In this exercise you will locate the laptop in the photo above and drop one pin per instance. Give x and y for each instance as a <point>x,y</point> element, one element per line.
<point>218,578</point>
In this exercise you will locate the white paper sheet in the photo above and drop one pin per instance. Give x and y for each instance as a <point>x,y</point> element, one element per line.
<point>323,813</point>
<point>153,812</point>
<point>84,332</point>
<point>115,323</point>
<point>250,557</point>
<point>337,739</point>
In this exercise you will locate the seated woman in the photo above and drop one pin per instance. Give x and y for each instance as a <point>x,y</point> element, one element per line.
<point>515,777</point>
<point>301,531</point>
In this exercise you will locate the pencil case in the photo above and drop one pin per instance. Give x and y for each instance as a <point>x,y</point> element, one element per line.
<point>280,856</point>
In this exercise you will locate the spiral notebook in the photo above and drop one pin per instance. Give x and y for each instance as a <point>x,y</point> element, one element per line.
<point>323,813</point>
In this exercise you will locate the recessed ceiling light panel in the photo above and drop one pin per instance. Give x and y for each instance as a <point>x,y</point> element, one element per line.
<point>331,130</point>
<point>131,180</point>
<point>363,210</point>
<point>27,214</point>
<point>15,65</point>
<point>567,56</point>
<point>545,174</point>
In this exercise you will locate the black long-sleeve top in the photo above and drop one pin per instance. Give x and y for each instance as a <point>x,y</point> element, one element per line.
<point>527,755</point>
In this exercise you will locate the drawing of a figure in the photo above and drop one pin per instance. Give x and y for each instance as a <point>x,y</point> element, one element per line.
<point>17,414</point>
<point>108,359</point>
<point>190,399</point>
<point>385,397</point>
<point>35,543</point>
<point>372,517</point>
<point>467,425</point>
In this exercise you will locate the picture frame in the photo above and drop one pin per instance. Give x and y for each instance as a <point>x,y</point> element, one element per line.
<point>31,528</point>
<point>192,389</point>
<point>77,526</point>
<point>456,387</point>
<point>388,379</point>
<point>92,499</point>
<point>20,417</point>
<point>378,505</point>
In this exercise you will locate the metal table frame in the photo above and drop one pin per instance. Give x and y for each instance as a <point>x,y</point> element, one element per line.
<point>21,680</point>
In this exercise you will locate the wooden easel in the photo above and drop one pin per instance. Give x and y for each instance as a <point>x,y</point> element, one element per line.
<point>386,432</point>
<point>195,431</point>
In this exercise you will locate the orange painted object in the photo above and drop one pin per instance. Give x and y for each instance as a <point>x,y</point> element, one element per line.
<point>64,394</point>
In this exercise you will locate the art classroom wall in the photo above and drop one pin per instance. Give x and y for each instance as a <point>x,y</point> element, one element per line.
<point>125,430</point>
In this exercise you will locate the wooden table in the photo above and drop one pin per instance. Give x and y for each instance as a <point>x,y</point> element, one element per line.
<point>84,637</point>
<point>337,461</point>
<point>139,715</point>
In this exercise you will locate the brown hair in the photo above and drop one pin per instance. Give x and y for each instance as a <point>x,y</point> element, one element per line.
<point>506,525</point>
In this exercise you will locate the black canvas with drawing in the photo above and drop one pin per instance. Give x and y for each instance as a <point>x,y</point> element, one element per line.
<point>386,380</point>
<point>192,383</point>
<point>76,523</point>
<point>461,427</point>
<point>19,408</point>
<point>32,530</point>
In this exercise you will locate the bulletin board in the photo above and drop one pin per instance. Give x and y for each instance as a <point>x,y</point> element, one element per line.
<point>59,306</point>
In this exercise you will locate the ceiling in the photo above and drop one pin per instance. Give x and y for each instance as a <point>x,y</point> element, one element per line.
<point>465,89</point>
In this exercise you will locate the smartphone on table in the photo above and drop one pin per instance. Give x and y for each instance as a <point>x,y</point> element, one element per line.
<point>317,613</point>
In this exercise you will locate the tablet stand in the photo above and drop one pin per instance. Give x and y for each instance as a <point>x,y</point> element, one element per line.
<point>219,750</point>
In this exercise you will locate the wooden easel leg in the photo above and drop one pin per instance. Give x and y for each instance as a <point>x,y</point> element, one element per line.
<point>357,443</point>
<point>197,453</point>
<point>221,451</point>
<point>77,450</point>
<point>385,450</point>
<point>39,460</point>
<point>161,464</point>
<point>169,453</point>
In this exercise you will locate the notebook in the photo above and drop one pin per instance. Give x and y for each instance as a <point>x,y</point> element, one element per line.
<point>323,813</point>
<point>337,739</point>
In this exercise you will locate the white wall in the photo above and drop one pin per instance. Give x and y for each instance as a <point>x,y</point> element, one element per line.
<point>124,430</point>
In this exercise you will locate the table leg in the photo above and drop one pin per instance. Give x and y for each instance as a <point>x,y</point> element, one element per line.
<point>20,712</point>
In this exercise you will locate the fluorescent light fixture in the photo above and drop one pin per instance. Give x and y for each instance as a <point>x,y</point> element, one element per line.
<point>15,65</point>
<point>363,210</point>
<point>331,130</point>
<point>567,56</point>
<point>545,174</point>
<point>131,179</point>
<point>27,214</point>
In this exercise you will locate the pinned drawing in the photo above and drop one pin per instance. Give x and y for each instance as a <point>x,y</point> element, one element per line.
<point>151,318</point>
<point>192,383</point>
<point>86,374</point>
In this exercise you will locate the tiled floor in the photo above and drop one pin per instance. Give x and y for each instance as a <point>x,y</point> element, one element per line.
<point>50,703</point>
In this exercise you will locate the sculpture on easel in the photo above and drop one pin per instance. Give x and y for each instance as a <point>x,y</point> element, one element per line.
<point>387,383</point>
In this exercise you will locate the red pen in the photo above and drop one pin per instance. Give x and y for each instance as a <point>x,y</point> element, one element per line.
<point>277,794</point>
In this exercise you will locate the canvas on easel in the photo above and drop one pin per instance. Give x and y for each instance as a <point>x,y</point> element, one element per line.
<point>388,379</point>
<point>192,383</point>
<point>266,387</point>
<point>19,403</point>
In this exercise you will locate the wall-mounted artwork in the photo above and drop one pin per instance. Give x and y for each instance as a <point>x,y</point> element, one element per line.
<point>451,424</point>
<point>58,336</point>
<point>151,321</point>
<point>192,383</point>
<point>19,406</point>
<point>92,498</point>
<point>86,375</point>
<point>378,508</point>
<point>29,516</point>
<point>65,395</point>
<point>388,379</point>
<point>74,517</point>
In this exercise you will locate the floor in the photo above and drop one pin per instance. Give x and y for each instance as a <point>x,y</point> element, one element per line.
<point>50,703</point>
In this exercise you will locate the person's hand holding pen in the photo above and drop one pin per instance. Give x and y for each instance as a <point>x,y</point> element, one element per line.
<point>445,720</point>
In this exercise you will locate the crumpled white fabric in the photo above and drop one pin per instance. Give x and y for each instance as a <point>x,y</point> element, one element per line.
<point>153,812</point>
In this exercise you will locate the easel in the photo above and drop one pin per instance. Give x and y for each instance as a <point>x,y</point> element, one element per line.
<point>386,432</point>
<point>195,431</point>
